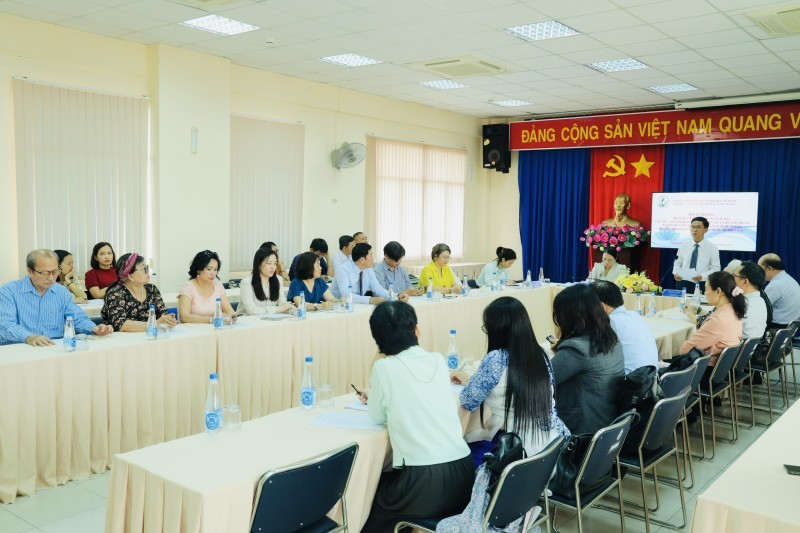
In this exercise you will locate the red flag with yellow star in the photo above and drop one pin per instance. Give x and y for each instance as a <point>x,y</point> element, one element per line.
<point>637,171</point>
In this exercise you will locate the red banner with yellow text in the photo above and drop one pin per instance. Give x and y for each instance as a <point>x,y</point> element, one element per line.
<point>659,127</point>
<point>637,171</point>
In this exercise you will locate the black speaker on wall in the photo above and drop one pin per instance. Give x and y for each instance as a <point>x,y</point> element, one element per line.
<point>496,154</point>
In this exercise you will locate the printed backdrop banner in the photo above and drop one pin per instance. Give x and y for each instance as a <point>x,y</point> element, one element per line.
<point>637,171</point>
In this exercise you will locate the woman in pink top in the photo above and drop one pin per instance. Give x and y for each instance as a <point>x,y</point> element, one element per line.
<point>197,298</point>
<point>723,327</point>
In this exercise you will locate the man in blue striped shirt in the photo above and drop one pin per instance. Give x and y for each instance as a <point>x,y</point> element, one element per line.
<point>33,309</point>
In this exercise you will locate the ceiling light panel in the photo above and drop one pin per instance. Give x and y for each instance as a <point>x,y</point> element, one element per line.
<point>617,65</point>
<point>510,103</point>
<point>675,88</point>
<point>220,25</point>
<point>444,85</point>
<point>350,60</point>
<point>540,31</point>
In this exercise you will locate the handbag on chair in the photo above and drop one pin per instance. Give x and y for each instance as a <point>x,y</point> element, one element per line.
<point>509,448</point>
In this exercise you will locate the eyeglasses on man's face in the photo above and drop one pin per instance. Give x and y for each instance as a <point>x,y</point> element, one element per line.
<point>48,273</point>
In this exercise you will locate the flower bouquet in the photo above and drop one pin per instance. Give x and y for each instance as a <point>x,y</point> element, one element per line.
<point>600,237</point>
<point>638,282</point>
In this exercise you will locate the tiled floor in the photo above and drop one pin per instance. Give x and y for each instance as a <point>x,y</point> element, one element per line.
<point>80,506</point>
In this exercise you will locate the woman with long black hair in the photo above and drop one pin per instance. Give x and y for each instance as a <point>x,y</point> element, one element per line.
<point>261,292</point>
<point>588,363</point>
<point>515,381</point>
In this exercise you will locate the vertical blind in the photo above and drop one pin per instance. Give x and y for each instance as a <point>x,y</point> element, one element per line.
<point>266,188</point>
<point>83,174</point>
<point>418,192</point>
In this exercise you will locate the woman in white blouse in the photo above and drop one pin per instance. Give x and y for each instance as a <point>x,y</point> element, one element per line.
<point>261,292</point>
<point>608,269</point>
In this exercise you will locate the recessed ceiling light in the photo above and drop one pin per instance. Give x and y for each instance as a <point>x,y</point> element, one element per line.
<point>350,60</point>
<point>541,30</point>
<point>676,88</point>
<point>510,103</point>
<point>443,84</point>
<point>220,25</point>
<point>617,65</point>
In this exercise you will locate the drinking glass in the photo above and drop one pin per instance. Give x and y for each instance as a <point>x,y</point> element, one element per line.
<point>163,331</point>
<point>232,417</point>
<point>325,396</point>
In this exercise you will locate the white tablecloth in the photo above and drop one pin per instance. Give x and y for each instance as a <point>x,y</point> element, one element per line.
<point>68,413</point>
<point>755,494</point>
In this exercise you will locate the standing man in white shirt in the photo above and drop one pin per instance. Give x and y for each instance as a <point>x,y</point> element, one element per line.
<point>342,255</point>
<point>638,343</point>
<point>699,254</point>
<point>359,275</point>
<point>783,291</point>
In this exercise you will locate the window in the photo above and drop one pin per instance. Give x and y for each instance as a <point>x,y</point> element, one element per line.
<point>418,193</point>
<point>266,188</point>
<point>83,174</point>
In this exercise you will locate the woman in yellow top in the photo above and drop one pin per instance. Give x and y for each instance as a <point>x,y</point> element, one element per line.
<point>443,279</point>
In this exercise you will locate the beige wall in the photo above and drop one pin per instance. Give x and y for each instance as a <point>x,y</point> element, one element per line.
<point>190,89</point>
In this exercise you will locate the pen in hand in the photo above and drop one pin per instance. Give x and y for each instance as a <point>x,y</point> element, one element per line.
<point>358,392</point>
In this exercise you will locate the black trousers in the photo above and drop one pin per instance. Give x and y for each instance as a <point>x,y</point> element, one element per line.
<point>429,491</point>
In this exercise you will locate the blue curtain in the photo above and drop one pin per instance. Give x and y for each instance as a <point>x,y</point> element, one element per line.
<point>769,167</point>
<point>554,211</point>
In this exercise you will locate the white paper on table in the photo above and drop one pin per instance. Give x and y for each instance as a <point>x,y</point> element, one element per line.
<point>456,388</point>
<point>339,419</point>
<point>277,316</point>
<point>686,273</point>
<point>357,406</point>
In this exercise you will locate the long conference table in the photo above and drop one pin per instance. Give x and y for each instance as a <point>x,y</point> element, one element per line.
<point>755,494</point>
<point>170,487</point>
<point>72,412</point>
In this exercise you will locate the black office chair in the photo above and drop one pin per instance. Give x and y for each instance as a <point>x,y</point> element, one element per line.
<point>775,361</point>
<point>739,374</point>
<point>600,458</point>
<point>694,399</point>
<point>795,324</point>
<point>298,497</point>
<point>234,283</point>
<point>519,488</point>
<point>718,383</point>
<point>659,441</point>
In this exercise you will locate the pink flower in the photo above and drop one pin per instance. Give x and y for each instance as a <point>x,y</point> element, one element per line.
<point>618,248</point>
<point>637,242</point>
<point>612,241</point>
<point>622,238</point>
<point>583,238</point>
<point>638,235</point>
<point>605,237</point>
<point>594,247</point>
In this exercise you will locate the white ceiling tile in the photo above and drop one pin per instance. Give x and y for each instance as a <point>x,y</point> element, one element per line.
<point>783,43</point>
<point>616,20</point>
<point>95,27</point>
<point>73,8</point>
<point>743,5</point>
<point>700,78</point>
<point>175,34</point>
<point>573,43</point>
<point>309,8</point>
<point>696,25</point>
<point>358,20</point>
<point>748,61</point>
<point>758,73</point>
<point>659,12</point>
<point>165,11</point>
<point>559,9</point>
<point>645,47</point>
<point>122,19</point>
<point>680,70</point>
<point>407,11</point>
<point>401,35</point>
<point>778,86</point>
<point>716,38</point>
<point>311,29</point>
<point>637,34</point>
<point>226,46</point>
<point>674,58</point>
<point>31,12</point>
<point>740,90</point>
<point>261,15</point>
<point>733,50</point>
<point>507,16</point>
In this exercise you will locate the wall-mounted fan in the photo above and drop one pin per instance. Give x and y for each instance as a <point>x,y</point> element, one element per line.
<point>348,155</point>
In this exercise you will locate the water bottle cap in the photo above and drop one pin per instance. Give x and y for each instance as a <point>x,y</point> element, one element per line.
<point>350,286</point>
<point>213,375</point>
<point>452,332</point>
<point>309,359</point>
<point>219,299</point>
<point>69,315</point>
<point>152,307</point>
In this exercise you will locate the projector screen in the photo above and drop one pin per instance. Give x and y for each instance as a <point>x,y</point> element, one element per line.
<point>732,218</point>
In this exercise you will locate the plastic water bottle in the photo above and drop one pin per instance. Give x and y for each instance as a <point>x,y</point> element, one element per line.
<point>528,282</point>
<point>429,294</point>
<point>218,315</point>
<point>683,299</point>
<point>495,286</point>
<point>348,302</point>
<point>639,304</point>
<point>452,352</point>
<point>696,295</point>
<point>213,406</point>
<point>465,287</point>
<point>541,275</point>
<point>69,334</point>
<point>391,297</point>
<point>308,393</point>
<point>301,307</point>
<point>651,309</point>
<point>152,326</point>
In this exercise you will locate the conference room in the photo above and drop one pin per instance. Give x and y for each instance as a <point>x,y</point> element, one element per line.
<point>125,125</point>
